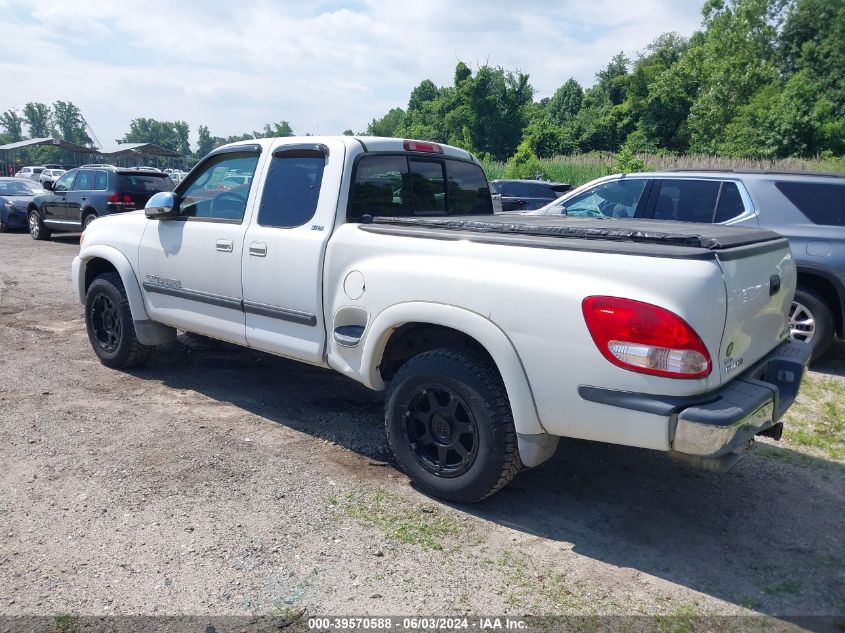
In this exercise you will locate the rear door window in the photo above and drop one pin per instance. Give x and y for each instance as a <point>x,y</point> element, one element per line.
<point>292,188</point>
<point>101,181</point>
<point>84,181</point>
<point>687,200</point>
<point>823,203</point>
<point>730,203</point>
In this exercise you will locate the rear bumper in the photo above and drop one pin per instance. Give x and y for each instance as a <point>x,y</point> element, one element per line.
<point>721,421</point>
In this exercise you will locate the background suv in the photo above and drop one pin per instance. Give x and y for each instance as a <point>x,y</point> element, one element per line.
<point>82,195</point>
<point>525,195</point>
<point>809,209</point>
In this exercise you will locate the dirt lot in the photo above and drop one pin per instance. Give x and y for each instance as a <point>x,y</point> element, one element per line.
<point>219,480</point>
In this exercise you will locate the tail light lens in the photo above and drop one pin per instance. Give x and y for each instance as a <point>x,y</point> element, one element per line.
<point>121,199</point>
<point>645,338</point>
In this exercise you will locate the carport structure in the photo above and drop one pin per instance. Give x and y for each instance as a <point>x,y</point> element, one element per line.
<point>133,154</point>
<point>8,153</point>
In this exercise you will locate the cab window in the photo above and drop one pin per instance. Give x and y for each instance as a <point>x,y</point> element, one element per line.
<point>208,194</point>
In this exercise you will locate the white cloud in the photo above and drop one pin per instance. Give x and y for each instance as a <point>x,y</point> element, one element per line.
<point>237,66</point>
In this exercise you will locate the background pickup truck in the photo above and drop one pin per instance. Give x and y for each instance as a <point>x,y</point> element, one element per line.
<point>492,335</point>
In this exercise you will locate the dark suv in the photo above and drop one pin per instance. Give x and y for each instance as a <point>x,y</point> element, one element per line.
<point>525,195</point>
<point>82,195</point>
<point>809,209</point>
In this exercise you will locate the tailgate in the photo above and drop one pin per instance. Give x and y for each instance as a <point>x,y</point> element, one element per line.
<point>760,283</point>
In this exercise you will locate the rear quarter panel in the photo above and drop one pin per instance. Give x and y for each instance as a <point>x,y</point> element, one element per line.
<point>533,296</point>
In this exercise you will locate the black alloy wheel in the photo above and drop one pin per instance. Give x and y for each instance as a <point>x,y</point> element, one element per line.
<point>105,323</point>
<point>441,430</point>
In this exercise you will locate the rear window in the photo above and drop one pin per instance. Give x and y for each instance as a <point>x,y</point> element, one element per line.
<point>402,186</point>
<point>147,183</point>
<point>822,202</point>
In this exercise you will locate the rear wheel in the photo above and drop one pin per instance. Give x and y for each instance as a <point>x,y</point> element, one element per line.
<point>89,217</point>
<point>4,228</point>
<point>450,426</point>
<point>811,321</point>
<point>111,329</point>
<point>36,226</point>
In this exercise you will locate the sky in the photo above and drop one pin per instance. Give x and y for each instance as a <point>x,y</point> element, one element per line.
<point>323,66</point>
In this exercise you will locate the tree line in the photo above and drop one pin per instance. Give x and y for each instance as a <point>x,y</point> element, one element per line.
<point>761,78</point>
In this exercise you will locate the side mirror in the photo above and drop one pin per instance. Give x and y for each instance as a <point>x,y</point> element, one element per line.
<point>562,210</point>
<point>162,206</point>
<point>48,185</point>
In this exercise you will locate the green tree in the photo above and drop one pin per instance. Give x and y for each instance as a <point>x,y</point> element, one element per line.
<point>274,130</point>
<point>566,102</point>
<point>388,125</point>
<point>13,124</point>
<point>170,134</point>
<point>38,119</point>
<point>69,123</point>
<point>205,142</point>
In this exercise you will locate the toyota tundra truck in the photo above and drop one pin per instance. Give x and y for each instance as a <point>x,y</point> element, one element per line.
<point>491,335</point>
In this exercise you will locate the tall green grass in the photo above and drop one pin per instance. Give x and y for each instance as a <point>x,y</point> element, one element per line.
<point>580,168</point>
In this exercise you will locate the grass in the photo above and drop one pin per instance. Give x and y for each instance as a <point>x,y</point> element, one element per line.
<point>401,521</point>
<point>580,168</point>
<point>786,587</point>
<point>65,623</point>
<point>535,591</point>
<point>817,419</point>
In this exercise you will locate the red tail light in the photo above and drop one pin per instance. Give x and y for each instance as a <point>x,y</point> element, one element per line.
<point>645,338</point>
<point>122,199</point>
<point>421,146</point>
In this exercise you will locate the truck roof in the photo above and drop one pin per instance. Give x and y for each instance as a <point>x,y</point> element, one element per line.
<point>366,143</point>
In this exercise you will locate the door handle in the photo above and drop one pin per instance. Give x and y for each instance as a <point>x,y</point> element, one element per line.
<point>258,249</point>
<point>225,246</point>
<point>84,198</point>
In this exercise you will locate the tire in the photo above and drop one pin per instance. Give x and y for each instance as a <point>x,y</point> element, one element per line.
<point>810,319</point>
<point>37,230</point>
<point>446,398</point>
<point>4,228</point>
<point>89,217</point>
<point>111,330</point>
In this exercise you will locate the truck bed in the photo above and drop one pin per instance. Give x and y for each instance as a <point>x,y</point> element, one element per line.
<point>655,238</point>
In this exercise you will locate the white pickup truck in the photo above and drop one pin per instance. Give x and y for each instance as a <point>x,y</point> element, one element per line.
<point>492,335</point>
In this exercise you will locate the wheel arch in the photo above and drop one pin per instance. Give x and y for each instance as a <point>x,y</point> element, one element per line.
<point>428,326</point>
<point>100,259</point>
<point>830,291</point>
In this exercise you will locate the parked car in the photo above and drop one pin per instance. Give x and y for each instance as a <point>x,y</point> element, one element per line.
<point>15,196</point>
<point>492,339</point>
<point>51,175</point>
<point>525,195</point>
<point>82,195</point>
<point>30,172</point>
<point>808,209</point>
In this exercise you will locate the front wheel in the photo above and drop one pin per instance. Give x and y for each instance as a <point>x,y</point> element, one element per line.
<point>36,227</point>
<point>111,329</point>
<point>450,426</point>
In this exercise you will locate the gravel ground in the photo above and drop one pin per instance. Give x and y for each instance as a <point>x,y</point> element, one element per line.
<point>218,480</point>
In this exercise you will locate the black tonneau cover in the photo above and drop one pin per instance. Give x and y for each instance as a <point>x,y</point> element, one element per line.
<point>713,237</point>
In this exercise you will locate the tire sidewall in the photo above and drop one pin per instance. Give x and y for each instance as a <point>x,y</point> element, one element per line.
<point>89,217</point>
<point>118,357</point>
<point>822,317</point>
<point>490,458</point>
